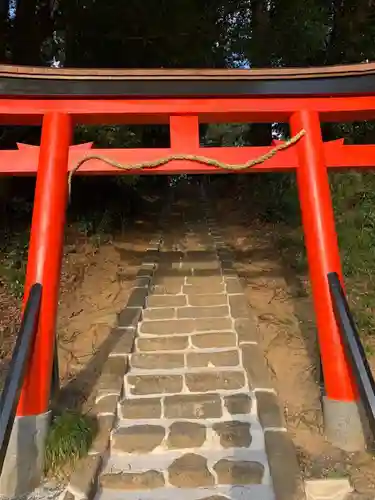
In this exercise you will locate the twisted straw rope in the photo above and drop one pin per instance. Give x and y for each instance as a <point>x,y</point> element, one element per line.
<point>194,158</point>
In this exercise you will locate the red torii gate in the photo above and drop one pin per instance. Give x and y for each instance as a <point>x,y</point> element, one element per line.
<point>61,98</point>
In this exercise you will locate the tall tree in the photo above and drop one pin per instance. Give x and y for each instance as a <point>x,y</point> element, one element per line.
<point>352,32</point>
<point>4,29</point>
<point>33,25</point>
<point>139,34</point>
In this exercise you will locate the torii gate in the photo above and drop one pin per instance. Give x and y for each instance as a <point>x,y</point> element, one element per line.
<point>60,98</point>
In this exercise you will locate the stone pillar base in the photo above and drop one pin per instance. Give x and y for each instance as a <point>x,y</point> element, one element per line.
<point>343,425</point>
<point>24,461</point>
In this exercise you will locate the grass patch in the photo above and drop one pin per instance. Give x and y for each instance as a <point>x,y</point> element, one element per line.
<point>69,438</point>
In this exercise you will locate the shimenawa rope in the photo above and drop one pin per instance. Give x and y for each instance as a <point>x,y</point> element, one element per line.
<point>194,158</point>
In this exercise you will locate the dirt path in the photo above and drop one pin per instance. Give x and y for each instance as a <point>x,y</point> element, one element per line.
<point>282,305</point>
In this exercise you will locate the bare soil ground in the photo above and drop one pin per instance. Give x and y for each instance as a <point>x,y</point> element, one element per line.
<point>97,282</point>
<point>9,322</point>
<point>97,276</point>
<point>281,302</point>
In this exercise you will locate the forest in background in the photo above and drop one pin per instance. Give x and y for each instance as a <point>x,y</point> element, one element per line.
<point>194,34</point>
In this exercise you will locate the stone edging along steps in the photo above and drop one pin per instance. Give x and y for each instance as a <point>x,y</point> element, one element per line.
<point>185,404</point>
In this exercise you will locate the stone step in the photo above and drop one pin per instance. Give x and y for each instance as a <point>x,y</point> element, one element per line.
<point>186,470</point>
<point>198,265</point>
<point>184,326</point>
<point>181,277</point>
<point>187,311</point>
<point>175,285</point>
<point>186,272</point>
<point>155,301</point>
<point>192,381</point>
<point>179,362</point>
<point>164,436</point>
<point>217,492</point>
<point>184,298</point>
<point>199,341</point>
<point>187,406</point>
<point>197,256</point>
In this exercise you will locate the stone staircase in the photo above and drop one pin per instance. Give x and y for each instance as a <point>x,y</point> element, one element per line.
<point>198,415</point>
<point>185,405</point>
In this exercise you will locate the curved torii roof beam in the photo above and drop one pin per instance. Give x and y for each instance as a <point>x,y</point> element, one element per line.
<point>356,79</point>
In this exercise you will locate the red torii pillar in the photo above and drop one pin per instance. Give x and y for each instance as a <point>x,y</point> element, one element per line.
<point>23,467</point>
<point>342,421</point>
<point>45,254</point>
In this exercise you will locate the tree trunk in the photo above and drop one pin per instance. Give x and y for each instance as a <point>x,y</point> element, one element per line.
<point>25,46</point>
<point>32,26</point>
<point>349,21</point>
<point>260,134</point>
<point>4,28</point>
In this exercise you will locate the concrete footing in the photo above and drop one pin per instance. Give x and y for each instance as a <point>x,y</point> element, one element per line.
<point>343,425</point>
<point>323,489</point>
<point>23,466</point>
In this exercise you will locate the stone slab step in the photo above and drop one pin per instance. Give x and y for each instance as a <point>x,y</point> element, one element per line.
<point>187,406</point>
<point>162,436</point>
<point>156,301</point>
<point>184,326</point>
<point>182,277</point>
<point>191,469</point>
<point>211,340</point>
<point>169,285</point>
<point>161,461</point>
<point>177,270</point>
<point>218,492</point>
<point>190,382</point>
<point>218,310</point>
<point>184,361</point>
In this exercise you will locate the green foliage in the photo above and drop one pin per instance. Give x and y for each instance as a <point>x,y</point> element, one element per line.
<point>137,34</point>
<point>69,438</point>
<point>274,197</point>
<point>109,136</point>
<point>225,134</point>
